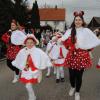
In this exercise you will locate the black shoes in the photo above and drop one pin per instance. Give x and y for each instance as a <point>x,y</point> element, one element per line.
<point>60,80</point>
<point>57,80</point>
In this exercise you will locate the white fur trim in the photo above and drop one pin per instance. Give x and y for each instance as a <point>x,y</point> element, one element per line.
<point>86,39</point>
<point>17,37</point>
<point>32,36</point>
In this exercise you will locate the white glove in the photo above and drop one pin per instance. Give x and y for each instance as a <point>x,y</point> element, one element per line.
<point>59,41</point>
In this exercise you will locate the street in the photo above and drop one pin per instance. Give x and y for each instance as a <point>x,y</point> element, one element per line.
<point>48,89</point>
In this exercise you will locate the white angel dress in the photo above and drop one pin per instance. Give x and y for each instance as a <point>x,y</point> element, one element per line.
<point>36,60</point>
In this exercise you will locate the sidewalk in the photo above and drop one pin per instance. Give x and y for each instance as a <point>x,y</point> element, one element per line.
<point>2,59</point>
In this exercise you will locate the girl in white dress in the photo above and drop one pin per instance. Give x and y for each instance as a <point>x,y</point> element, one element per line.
<point>57,54</point>
<point>50,48</point>
<point>31,61</point>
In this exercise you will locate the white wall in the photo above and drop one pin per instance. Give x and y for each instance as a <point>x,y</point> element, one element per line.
<point>59,25</point>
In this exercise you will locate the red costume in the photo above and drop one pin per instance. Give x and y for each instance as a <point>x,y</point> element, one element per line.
<point>12,49</point>
<point>77,58</point>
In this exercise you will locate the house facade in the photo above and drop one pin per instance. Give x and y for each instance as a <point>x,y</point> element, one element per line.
<point>55,17</point>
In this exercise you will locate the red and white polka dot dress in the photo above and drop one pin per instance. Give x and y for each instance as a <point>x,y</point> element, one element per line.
<point>77,58</point>
<point>12,51</point>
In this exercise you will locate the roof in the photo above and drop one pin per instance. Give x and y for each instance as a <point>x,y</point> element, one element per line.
<point>95,22</point>
<point>52,14</point>
<point>97,19</point>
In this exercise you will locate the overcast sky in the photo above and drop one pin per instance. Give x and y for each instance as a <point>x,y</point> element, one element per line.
<point>90,7</point>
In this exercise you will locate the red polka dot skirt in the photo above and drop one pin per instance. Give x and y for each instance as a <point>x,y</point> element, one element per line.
<point>78,59</point>
<point>12,51</point>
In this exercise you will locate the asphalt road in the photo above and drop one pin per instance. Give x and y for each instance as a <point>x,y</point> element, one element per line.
<point>48,89</point>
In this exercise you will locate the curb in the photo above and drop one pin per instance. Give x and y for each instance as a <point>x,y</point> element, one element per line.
<point>3,59</point>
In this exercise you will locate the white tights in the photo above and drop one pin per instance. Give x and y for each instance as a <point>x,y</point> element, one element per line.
<point>99,62</point>
<point>59,73</point>
<point>49,71</point>
<point>30,91</point>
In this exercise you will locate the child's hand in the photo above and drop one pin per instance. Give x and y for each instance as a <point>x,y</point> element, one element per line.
<point>52,61</point>
<point>59,41</point>
<point>26,68</point>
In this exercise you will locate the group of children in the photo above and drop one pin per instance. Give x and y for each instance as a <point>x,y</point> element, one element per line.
<point>29,61</point>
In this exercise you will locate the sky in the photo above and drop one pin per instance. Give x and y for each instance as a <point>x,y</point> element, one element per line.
<point>90,7</point>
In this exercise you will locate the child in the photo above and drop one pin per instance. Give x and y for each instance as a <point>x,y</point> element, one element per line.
<point>59,62</point>
<point>50,52</point>
<point>13,48</point>
<point>31,60</point>
<point>58,55</point>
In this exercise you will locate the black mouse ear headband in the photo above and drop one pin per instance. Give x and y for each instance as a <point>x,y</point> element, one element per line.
<point>81,13</point>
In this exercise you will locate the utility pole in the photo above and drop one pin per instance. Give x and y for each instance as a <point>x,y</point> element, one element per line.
<point>62,3</point>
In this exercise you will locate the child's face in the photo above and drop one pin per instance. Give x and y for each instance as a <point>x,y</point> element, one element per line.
<point>78,22</point>
<point>30,43</point>
<point>13,26</point>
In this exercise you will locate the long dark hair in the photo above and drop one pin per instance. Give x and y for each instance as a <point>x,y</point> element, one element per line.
<point>73,29</point>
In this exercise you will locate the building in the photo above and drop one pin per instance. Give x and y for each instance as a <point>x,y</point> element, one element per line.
<point>55,17</point>
<point>94,23</point>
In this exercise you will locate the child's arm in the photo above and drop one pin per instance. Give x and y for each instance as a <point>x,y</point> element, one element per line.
<point>5,38</point>
<point>19,61</point>
<point>45,60</point>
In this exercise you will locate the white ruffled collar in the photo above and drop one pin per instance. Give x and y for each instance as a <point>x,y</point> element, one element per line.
<point>85,38</point>
<point>79,29</point>
<point>29,51</point>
